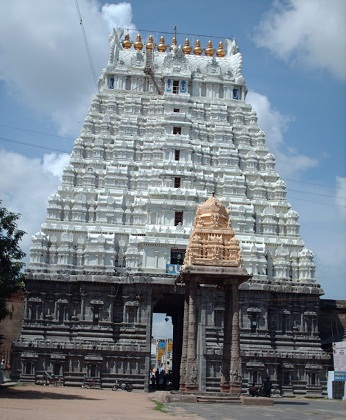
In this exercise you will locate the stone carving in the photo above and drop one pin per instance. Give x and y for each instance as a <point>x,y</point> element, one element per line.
<point>191,374</point>
<point>176,61</point>
<point>212,241</point>
<point>115,45</point>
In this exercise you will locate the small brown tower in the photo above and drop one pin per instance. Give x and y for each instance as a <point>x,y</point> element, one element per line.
<point>212,260</point>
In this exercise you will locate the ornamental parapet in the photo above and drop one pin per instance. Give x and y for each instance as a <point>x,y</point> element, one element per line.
<point>284,287</point>
<point>88,346</point>
<point>319,354</point>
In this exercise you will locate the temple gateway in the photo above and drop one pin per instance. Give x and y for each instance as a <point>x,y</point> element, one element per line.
<point>171,203</point>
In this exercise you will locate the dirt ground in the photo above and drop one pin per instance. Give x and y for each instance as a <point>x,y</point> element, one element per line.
<point>33,402</point>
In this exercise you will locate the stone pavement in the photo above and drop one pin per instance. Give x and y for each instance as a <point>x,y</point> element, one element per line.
<point>283,409</point>
<point>32,402</point>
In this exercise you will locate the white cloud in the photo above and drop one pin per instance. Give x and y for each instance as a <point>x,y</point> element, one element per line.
<point>54,163</point>
<point>25,187</point>
<point>310,32</point>
<point>50,66</point>
<point>118,15</point>
<point>274,124</point>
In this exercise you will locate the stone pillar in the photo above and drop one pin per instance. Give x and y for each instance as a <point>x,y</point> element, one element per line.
<point>82,305</point>
<point>191,367</point>
<point>149,321</point>
<point>183,363</point>
<point>235,372</point>
<point>227,338</point>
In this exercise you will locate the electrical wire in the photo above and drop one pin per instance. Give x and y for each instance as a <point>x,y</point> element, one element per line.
<point>318,202</point>
<point>36,132</point>
<point>312,183</point>
<point>313,193</point>
<point>36,146</point>
<point>86,44</point>
<point>175,33</point>
<point>69,152</point>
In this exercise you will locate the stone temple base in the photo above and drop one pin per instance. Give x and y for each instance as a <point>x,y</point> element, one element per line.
<point>263,401</point>
<point>206,397</point>
<point>198,397</point>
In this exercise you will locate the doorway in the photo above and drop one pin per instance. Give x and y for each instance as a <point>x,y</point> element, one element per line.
<point>167,331</point>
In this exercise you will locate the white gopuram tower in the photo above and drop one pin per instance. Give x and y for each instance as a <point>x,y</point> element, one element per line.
<point>168,128</point>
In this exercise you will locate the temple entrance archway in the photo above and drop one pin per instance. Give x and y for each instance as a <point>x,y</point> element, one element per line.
<point>172,306</point>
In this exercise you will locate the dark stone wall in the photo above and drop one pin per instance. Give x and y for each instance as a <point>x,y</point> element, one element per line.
<point>332,324</point>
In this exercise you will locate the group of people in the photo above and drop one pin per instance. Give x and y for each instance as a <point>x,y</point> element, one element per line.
<point>264,391</point>
<point>160,380</point>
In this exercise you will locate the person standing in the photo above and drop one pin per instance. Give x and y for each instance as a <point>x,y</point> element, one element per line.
<point>2,371</point>
<point>267,387</point>
<point>253,390</point>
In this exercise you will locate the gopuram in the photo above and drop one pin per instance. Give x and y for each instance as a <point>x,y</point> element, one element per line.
<point>168,127</point>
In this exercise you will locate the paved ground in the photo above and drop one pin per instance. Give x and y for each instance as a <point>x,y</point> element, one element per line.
<point>289,409</point>
<point>32,402</point>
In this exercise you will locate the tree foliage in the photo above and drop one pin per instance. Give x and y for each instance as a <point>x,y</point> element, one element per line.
<point>11,276</point>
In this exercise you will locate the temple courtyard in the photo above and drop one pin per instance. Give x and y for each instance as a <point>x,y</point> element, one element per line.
<point>32,402</point>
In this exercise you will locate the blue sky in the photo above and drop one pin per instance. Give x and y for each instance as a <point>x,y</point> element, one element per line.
<point>293,62</point>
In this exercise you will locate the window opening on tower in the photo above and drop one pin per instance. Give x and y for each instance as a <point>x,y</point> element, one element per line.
<point>178,218</point>
<point>176,130</point>
<point>175,86</point>
<point>177,182</point>
<point>177,256</point>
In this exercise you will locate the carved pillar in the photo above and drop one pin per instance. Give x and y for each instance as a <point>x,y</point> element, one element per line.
<point>82,306</point>
<point>191,371</point>
<point>227,338</point>
<point>235,373</point>
<point>148,314</point>
<point>185,340</point>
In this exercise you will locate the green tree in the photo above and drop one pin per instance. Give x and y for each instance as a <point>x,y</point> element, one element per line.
<point>11,276</point>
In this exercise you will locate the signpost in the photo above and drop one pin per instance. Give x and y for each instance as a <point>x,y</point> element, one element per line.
<point>339,355</point>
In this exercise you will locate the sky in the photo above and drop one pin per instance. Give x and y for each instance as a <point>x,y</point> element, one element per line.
<point>294,64</point>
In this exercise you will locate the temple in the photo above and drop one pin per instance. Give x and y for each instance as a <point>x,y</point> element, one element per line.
<point>171,203</point>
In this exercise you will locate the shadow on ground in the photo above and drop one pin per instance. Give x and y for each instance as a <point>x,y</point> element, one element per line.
<point>19,392</point>
<point>290,402</point>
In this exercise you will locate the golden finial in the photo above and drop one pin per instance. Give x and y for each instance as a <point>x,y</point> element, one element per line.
<point>150,43</point>
<point>127,43</point>
<point>162,46</point>
<point>174,43</point>
<point>138,44</point>
<point>220,52</point>
<point>209,51</point>
<point>187,48</point>
<point>198,49</point>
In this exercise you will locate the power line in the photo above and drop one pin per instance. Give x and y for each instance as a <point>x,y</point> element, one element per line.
<point>175,32</point>
<point>70,138</point>
<point>34,145</point>
<point>312,183</point>
<point>318,202</point>
<point>69,151</point>
<point>285,179</point>
<point>36,132</point>
<point>313,193</point>
<point>86,43</point>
